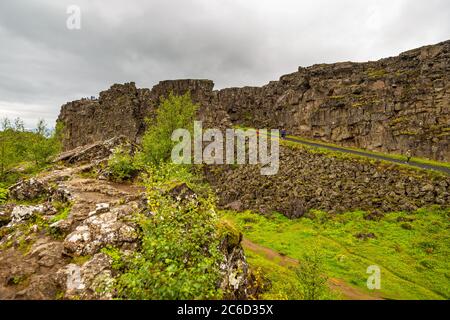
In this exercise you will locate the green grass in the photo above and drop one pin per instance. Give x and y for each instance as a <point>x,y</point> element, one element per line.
<point>414,263</point>
<point>387,155</point>
<point>63,211</point>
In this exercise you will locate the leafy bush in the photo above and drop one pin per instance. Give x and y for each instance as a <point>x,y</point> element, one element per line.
<point>121,165</point>
<point>180,254</point>
<point>174,112</point>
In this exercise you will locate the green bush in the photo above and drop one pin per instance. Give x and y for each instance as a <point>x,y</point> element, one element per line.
<point>121,165</point>
<point>180,254</point>
<point>175,112</point>
<point>19,146</point>
<point>3,195</point>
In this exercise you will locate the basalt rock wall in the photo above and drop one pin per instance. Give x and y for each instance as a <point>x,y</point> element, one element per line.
<point>390,105</point>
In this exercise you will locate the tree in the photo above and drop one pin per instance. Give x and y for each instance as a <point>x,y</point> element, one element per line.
<point>174,112</point>
<point>19,125</point>
<point>311,276</point>
<point>5,124</point>
<point>8,156</point>
<point>43,143</point>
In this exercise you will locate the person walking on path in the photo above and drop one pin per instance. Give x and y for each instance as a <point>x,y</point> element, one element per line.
<point>408,155</point>
<point>283,133</point>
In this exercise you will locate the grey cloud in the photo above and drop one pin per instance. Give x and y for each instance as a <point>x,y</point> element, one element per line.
<point>233,42</point>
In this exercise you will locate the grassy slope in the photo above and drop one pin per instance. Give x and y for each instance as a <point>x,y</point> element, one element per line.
<point>414,263</point>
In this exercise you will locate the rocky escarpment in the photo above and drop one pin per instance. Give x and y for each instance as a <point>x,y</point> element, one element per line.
<point>49,253</point>
<point>391,105</point>
<point>123,109</point>
<point>334,183</point>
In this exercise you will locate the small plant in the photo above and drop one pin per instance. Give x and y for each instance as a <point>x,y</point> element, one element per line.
<point>63,211</point>
<point>121,165</point>
<point>311,276</point>
<point>3,195</point>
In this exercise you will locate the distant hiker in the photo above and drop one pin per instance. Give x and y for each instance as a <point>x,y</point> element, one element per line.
<point>283,134</point>
<point>408,155</point>
<point>257,132</point>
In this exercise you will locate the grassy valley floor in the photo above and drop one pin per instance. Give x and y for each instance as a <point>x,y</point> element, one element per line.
<point>412,251</point>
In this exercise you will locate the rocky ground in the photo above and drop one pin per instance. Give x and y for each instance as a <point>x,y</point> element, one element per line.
<point>46,254</point>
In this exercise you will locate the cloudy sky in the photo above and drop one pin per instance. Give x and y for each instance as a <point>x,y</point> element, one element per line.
<point>43,64</point>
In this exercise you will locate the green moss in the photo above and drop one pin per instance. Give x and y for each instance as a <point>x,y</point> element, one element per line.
<point>228,231</point>
<point>18,280</point>
<point>337,97</point>
<point>408,133</point>
<point>398,121</point>
<point>376,73</point>
<point>81,260</point>
<point>63,209</point>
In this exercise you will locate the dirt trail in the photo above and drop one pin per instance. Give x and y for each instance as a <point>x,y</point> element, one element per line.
<point>347,292</point>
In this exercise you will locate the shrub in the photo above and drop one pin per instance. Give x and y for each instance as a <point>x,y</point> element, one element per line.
<point>180,254</point>
<point>311,276</point>
<point>174,112</point>
<point>121,165</point>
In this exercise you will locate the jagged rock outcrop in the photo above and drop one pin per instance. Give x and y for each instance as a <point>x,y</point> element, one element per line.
<point>123,109</point>
<point>390,105</point>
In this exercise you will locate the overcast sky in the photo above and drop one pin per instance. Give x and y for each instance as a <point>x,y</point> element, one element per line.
<point>43,64</point>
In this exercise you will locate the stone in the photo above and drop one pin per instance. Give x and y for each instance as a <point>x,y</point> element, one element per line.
<point>21,213</point>
<point>365,236</point>
<point>92,280</point>
<point>235,206</point>
<point>98,231</point>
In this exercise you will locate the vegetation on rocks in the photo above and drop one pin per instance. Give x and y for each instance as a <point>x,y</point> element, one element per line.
<point>180,235</point>
<point>180,247</point>
<point>122,165</point>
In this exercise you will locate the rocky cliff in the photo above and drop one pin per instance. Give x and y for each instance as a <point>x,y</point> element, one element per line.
<point>390,105</point>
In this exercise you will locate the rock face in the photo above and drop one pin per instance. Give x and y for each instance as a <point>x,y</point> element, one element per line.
<point>123,109</point>
<point>314,180</point>
<point>390,105</point>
